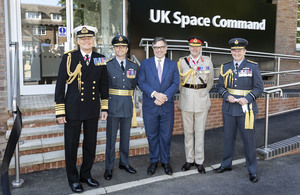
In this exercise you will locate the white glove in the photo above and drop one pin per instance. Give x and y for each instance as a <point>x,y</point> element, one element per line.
<point>245,108</point>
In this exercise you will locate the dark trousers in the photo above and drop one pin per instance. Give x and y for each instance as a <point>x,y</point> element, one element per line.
<point>231,124</point>
<point>111,136</point>
<point>159,128</point>
<point>72,135</point>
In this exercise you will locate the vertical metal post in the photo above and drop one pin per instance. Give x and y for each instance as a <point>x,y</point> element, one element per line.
<point>17,182</point>
<point>267,120</point>
<point>147,50</point>
<point>278,69</point>
<point>171,55</point>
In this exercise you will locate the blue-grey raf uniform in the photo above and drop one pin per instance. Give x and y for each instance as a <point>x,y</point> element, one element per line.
<point>120,105</point>
<point>242,81</point>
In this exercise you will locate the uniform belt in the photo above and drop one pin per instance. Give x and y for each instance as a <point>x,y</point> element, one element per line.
<point>238,92</point>
<point>121,92</point>
<point>197,86</point>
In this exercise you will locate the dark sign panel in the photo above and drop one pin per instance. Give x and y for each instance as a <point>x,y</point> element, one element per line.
<point>215,21</point>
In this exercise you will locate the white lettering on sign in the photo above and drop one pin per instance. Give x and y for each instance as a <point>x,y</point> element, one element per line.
<point>162,16</point>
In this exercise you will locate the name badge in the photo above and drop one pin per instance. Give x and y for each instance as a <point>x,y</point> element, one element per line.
<point>131,73</point>
<point>99,61</point>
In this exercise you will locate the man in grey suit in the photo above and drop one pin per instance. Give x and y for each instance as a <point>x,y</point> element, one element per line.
<point>197,76</point>
<point>122,74</point>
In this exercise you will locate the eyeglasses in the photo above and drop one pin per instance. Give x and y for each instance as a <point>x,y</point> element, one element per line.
<point>158,48</point>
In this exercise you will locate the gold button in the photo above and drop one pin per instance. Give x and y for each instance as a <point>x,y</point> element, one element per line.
<point>93,98</point>
<point>82,99</point>
<point>93,87</point>
<point>82,82</point>
<point>82,88</point>
<point>94,82</point>
<point>93,93</point>
<point>82,94</point>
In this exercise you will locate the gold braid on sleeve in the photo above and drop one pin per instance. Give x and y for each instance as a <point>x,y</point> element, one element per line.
<point>187,75</point>
<point>73,75</point>
<point>226,76</point>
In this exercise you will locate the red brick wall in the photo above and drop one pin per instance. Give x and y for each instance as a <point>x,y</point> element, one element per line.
<point>3,81</point>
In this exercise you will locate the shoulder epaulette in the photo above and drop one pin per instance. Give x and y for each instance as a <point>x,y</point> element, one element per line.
<point>109,60</point>
<point>227,63</point>
<point>252,62</point>
<point>70,51</point>
<point>130,60</point>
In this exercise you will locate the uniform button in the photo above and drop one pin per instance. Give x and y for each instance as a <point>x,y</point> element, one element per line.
<point>82,94</point>
<point>123,73</point>
<point>94,82</point>
<point>82,88</point>
<point>114,77</point>
<point>93,93</point>
<point>82,82</point>
<point>93,98</point>
<point>93,87</point>
<point>235,79</point>
<point>235,85</point>
<point>123,79</point>
<point>123,86</point>
<point>82,99</point>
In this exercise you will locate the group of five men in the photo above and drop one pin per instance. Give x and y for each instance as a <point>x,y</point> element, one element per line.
<point>89,78</point>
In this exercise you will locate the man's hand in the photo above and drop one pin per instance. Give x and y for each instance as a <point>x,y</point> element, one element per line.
<point>242,101</point>
<point>160,97</point>
<point>103,115</point>
<point>231,99</point>
<point>157,102</point>
<point>61,120</point>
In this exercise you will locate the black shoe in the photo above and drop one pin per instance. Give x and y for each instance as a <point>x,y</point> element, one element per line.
<point>108,174</point>
<point>222,169</point>
<point>200,168</point>
<point>253,177</point>
<point>76,187</point>
<point>128,168</point>
<point>168,168</point>
<point>186,166</point>
<point>151,169</point>
<point>90,182</point>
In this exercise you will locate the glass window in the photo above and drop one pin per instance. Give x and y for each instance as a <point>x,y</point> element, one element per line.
<point>33,15</point>
<point>39,30</point>
<point>56,17</point>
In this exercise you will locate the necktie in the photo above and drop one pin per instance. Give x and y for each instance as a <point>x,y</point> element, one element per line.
<point>87,58</point>
<point>159,70</point>
<point>236,66</point>
<point>122,66</point>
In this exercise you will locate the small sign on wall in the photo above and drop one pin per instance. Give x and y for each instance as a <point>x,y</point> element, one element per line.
<point>62,31</point>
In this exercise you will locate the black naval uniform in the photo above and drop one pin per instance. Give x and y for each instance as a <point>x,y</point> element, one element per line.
<point>121,87</point>
<point>244,81</point>
<point>81,105</point>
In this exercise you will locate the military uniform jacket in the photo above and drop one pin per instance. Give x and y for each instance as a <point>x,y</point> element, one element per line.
<point>247,77</point>
<point>196,100</point>
<point>121,106</point>
<point>84,103</point>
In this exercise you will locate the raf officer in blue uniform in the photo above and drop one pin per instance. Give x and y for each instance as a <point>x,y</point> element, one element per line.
<point>85,73</point>
<point>122,74</point>
<point>240,83</point>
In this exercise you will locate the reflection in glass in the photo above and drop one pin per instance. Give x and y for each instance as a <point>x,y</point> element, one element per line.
<point>42,44</point>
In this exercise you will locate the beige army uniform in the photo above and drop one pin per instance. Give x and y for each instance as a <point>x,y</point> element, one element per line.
<point>194,103</point>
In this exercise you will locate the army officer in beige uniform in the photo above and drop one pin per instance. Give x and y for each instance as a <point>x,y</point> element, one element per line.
<point>196,74</point>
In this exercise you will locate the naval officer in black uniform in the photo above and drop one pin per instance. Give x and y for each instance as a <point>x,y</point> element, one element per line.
<point>240,83</point>
<point>122,74</point>
<point>85,73</point>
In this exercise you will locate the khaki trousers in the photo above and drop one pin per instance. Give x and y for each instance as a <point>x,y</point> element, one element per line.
<point>194,128</point>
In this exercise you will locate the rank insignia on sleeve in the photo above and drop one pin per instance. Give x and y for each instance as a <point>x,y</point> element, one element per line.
<point>131,73</point>
<point>99,61</point>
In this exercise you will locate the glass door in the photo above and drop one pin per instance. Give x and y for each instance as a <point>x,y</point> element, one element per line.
<point>46,33</point>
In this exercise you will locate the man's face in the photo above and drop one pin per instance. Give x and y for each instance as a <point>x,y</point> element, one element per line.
<point>86,43</point>
<point>120,51</point>
<point>159,49</point>
<point>238,54</point>
<point>195,51</point>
